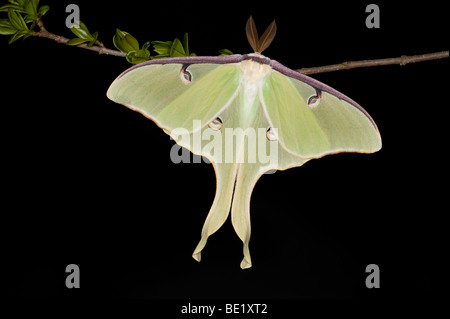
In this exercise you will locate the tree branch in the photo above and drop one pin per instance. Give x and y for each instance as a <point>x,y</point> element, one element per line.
<point>403,60</point>
<point>99,47</point>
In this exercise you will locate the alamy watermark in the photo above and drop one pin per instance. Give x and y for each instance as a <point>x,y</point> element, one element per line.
<point>226,145</point>
<point>373,19</point>
<point>73,19</point>
<point>373,279</point>
<point>73,279</point>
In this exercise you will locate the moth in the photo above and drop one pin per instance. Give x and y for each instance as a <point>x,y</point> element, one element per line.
<point>243,106</point>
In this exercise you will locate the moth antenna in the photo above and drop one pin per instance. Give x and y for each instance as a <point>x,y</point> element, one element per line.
<point>252,34</point>
<point>267,37</point>
<point>260,44</point>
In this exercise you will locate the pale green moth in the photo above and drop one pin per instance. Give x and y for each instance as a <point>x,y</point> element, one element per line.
<point>218,106</point>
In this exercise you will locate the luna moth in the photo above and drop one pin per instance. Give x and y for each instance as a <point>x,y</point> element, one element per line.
<point>241,106</point>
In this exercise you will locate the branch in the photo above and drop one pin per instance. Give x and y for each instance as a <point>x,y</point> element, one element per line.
<point>100,48</point>
<point>403,60</point>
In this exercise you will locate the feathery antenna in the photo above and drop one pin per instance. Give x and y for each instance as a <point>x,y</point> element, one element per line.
<point>260,44</point>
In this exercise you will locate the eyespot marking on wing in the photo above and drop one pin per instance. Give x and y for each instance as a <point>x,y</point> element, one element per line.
<point>185,75</point>
<point>216,124</point>
<point>314,100</point>
<point>270,134</point>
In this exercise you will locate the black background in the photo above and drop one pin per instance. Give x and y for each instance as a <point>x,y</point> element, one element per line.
<point>90,182</point>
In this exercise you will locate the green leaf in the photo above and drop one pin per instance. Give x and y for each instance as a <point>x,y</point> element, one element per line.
<point>15,37</point>
<point>35,4</point>
<point>5,23</point>
<point>144,53</point>
<point>186,44</point>
<point>135,57</point>
<point>145,46</point>
<point>43,10</point>
<point>162,48</point>
<point>14,7</point>
<point>125,42</point>
<point>177,49</point>
<point>81,31</point>
<point>31,7</point>
<point>18,2</point>
<point>28,34</point>
<point>130,56</point>
<point>94,39</point>
<point>224,52</point>
<point>172,48</point>
<point>7,31</point>
<point>83,27</point>
<point>17,21</point>
<point>30,18</point>
<point>138,56</point>
<point>76,41</point>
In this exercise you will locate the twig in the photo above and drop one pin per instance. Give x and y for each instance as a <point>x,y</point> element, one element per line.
<point>99,47</point>
<point>403,60</point>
